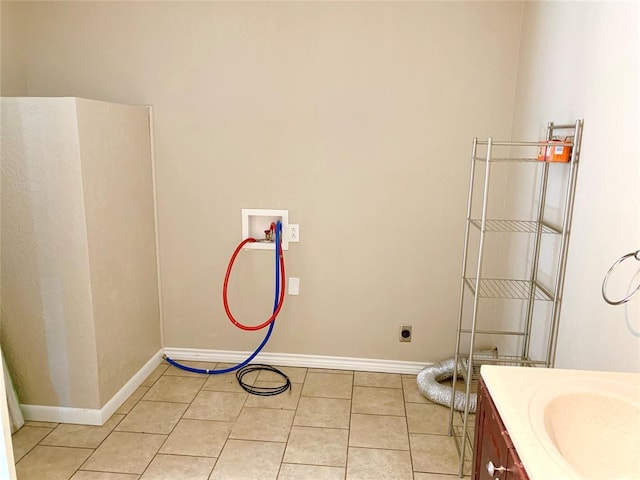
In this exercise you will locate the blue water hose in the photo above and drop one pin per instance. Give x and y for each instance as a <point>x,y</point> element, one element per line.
<point>278,249</point>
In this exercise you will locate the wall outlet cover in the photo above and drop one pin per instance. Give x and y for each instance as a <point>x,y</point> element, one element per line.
<point>294,232</point>
<point>294,286</point>
<point>405,333</point>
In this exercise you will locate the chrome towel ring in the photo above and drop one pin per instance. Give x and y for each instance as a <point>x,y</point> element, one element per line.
<point>635,255</point>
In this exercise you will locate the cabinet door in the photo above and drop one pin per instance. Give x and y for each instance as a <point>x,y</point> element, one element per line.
<point>490,444</point>
<point>515,470</point>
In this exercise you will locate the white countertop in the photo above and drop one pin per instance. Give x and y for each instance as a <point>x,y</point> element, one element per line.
<point>520,395</point>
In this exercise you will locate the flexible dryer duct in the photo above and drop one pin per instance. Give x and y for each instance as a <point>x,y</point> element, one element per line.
<point>428,384</point>
<point>429,378</point>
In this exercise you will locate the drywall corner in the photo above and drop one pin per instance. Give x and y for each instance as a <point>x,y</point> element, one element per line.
<point>47,333</point>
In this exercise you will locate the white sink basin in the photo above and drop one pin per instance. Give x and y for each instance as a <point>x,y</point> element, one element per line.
<point>590,426</point>
<point>598,435</point>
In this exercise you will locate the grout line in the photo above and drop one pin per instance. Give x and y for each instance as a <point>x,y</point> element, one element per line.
<point>164,401</point>
<point>320,428</point>
<point>346,465</point>
<point>383,448</point>
<point>61,446</point>
<point>379,414</point>
<point>379,387</point>
<point>284,450</point>
<point>53,426</point>
<point>259,441</point>
<point>406,419</point>
<point>150,461</point>
<point>331,398</point>
<point>404,396</point>
<point>228,434</point>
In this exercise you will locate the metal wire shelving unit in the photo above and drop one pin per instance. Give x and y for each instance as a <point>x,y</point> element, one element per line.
<point>531,290</point>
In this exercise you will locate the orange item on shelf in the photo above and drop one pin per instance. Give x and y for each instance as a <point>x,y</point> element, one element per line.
<point>555,153</point>
<point>560,153</point>
<point>542,152</point>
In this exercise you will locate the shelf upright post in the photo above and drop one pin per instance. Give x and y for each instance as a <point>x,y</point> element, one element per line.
<point>542,200</point>
<point>566,232</point>
<point>476,296</point>
<point>474,149</point>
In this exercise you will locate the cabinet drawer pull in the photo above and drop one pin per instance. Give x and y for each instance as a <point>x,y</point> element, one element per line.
<point>492,469</point>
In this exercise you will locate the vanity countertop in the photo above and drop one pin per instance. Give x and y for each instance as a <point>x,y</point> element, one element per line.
<point>548,439</point>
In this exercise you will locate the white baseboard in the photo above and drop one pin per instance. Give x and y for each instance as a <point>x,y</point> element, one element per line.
<point>125,392</point>
<point>44,413</point>
<point>87,416</point>
<point>297,360</point>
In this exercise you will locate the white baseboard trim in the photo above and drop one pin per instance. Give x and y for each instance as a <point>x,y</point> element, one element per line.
<point>297,360</point>
<point>125,392</point>
<point>87,416</point>
<point>44,413</point>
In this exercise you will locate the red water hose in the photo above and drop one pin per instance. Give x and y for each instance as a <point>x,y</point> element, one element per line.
<point>226,284</point>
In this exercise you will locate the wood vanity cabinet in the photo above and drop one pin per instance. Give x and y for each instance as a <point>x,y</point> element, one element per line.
<point>493,444</point>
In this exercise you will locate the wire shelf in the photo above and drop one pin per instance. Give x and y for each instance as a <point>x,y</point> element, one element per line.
<point>508,159</point>
<point>509,360</point>
<point>511,289</point>
<point>517,226</point>
<point>514,333</point>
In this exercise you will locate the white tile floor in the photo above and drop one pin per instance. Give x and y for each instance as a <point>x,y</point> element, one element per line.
<point>180,426</point>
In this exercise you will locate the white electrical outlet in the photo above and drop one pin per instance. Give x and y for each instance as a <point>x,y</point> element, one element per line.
<point>294,286</point>
<point>294,232</point>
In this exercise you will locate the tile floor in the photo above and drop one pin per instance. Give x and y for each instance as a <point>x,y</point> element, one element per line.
<point>182,426</point>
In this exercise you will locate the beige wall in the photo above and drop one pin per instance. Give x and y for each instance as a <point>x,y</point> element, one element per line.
<point>13,81</point>
<point>580,60</point>
<point>118,200</point>
<point>48,336</point>
<point>354,116</point>
<point>79,282</point>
